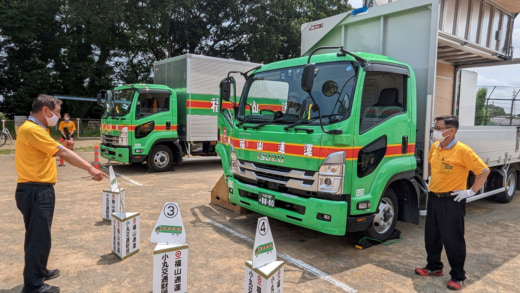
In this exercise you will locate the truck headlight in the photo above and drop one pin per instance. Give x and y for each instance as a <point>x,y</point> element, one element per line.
<point>331,173</point>
<point>234,161</point>
<point>123,137</point>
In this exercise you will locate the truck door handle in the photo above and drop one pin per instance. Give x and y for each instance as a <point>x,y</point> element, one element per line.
<point>168,125</point>
<point>404,146</point>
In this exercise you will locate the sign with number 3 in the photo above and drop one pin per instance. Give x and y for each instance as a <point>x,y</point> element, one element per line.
<point>169,227</point>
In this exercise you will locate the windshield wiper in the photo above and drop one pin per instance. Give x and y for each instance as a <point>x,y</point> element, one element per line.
<point>249,119</point>
<point>265,123</point>
<point>299,122</point>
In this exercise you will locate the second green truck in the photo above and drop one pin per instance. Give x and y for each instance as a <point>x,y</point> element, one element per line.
<point>175,117</point>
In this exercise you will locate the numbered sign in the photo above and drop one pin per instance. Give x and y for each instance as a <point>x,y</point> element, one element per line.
<point>112,203</point>
<point>125,234</point>
<point>170,268</point>
<point>264,249</point>
<point>267,279</point>
<point>113,180</point>
<point>169,227</point>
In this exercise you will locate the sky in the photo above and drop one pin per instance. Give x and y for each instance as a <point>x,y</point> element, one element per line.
<point>491,76</point>
<point>502,82</point>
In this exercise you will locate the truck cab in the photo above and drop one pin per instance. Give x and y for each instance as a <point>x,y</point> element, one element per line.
<point>333,163</point>
<point>140,124</point>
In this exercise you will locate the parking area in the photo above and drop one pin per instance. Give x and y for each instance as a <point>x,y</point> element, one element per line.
<point>220,241</point>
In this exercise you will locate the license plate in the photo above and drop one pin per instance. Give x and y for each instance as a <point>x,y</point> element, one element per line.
<point>266,199</point>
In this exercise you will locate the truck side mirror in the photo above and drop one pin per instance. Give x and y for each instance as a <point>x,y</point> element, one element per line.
<point>99,96</point>
<point>225,89</point>
<point>308,77</point>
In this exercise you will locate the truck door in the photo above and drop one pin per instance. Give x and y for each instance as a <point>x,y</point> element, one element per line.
<point>154,118</point>
<point>225,120</point>
<point>383,133</point>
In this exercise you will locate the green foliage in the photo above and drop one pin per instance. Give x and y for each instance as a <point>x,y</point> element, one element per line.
<point>79,47</point>
<point>480,108</point>
<point>483,112</point>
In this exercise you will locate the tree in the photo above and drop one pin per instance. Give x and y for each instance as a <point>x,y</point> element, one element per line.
<point>28,49</point>
<point>480,108</point>
<point>80,47</point>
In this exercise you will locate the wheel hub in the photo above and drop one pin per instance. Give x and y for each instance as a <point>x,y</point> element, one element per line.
<point>161,159</point>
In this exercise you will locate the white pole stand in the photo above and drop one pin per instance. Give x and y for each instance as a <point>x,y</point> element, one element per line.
<point>112,201</point>
<point>170,268</point>
<point>125,234</point>
<point>265,279</point>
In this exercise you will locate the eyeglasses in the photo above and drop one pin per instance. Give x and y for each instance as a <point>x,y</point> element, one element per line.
<point>441,128</point>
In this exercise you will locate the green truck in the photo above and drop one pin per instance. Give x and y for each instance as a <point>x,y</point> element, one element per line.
<point>175,117</point>
<point>336,141</point>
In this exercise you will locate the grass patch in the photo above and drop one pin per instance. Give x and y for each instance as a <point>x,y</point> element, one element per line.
<point>84,149</point>
<point>6,151</point>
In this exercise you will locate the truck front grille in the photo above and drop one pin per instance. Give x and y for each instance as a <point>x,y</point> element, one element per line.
<point>109,140</point>
<point>278,178</point>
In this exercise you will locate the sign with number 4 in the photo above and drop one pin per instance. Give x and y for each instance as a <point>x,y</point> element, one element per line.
<point>264,250</point>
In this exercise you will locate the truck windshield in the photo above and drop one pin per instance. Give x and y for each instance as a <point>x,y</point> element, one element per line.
<point>120,103</point>
<point>277,96</point>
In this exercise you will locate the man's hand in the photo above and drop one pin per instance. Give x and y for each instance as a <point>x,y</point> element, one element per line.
<point>97,174</point>
<point>462,194</point>
<point>69,143</point>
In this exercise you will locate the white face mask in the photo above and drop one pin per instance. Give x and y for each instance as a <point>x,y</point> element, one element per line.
<point>438,135</point>
<point>53,120</point>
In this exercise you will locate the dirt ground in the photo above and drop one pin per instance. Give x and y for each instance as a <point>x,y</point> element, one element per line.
<point>220,241</point>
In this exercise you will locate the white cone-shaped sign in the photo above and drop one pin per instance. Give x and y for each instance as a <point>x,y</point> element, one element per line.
<point>114,186</point>
<point>264,250</point>
<point>169,227</point>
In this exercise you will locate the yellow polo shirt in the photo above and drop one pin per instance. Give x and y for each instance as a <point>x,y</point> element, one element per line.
<point>69,125</point>
<point>34,153</point>
<point>450,166</point>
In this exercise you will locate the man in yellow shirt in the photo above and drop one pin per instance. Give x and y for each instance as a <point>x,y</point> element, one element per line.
<point>450,163</point>
<point>67,126</point>
<point>35,164</point>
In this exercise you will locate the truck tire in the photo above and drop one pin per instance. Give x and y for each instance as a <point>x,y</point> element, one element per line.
<point>160,158</point>
<point>508,195</point>
<point>384,221</point>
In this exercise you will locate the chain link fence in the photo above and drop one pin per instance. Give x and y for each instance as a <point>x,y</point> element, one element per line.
<point>497,106</point>
<point>85,127</point>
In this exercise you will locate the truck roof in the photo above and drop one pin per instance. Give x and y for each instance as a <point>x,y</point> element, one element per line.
<point>144,86</point>
<point>328,57</point>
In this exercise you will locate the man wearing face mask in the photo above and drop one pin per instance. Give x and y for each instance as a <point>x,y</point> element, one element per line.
<point>35,165</point>
<point>450,162</point>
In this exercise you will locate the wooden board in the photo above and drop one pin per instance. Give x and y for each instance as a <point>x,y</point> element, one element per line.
<point>220,197</point>
<point>444,89</point>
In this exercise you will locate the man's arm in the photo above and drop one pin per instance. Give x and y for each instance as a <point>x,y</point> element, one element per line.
<point>76,161</point>
<point>480,179</point>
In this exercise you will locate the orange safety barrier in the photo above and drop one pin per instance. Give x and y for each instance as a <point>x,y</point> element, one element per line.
<point>96,157</point>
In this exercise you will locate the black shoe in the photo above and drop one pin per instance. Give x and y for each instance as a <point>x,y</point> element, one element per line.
<point>52,274</point>
<point>46,288</point>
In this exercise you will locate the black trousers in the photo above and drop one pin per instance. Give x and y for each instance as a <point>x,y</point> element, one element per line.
<point>445,226</point>
<point>36,202</point>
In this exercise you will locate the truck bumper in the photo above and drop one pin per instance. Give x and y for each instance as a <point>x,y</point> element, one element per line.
<point>121,154</point>
<point>325,216</point>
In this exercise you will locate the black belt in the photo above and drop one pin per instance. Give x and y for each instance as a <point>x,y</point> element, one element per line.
<point>38,183</point>
<point>442,194</point>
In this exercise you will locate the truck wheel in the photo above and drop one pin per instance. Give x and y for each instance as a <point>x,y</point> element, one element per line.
<point>384,221</point>
<point>160,159</point>
<point>508,195</point>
